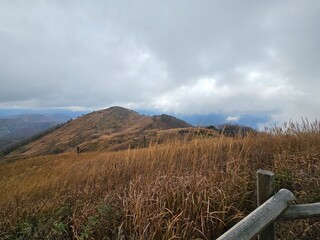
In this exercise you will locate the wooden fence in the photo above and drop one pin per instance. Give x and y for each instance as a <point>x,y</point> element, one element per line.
<point>271,207</point>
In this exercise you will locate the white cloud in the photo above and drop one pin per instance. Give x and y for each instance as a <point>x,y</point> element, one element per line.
<point>233,118</point>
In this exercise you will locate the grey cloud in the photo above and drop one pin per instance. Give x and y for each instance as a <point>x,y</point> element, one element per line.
<point>180,56</point>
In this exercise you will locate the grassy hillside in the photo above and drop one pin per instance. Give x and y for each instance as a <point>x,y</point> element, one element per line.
<point>113,129</point>
<point>178,190</point>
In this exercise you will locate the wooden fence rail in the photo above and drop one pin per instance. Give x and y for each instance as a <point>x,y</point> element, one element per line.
<point>271,207</point>
<point>301,211</point>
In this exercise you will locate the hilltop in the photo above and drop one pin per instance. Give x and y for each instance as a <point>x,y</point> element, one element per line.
<point>114,128</point>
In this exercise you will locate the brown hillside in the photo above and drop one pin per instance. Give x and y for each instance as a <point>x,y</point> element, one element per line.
<point>113,128</point>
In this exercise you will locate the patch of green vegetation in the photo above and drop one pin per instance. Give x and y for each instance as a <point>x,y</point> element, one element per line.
<point>89,227</point>
<point>103,223</point>
<point>53,225</point>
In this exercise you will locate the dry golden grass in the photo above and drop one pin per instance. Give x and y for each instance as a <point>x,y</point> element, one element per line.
<point>178,190</point>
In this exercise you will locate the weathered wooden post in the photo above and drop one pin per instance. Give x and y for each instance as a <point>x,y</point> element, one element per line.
<point>265,190</point>
<point>261,217</point>
<point>271,207</point>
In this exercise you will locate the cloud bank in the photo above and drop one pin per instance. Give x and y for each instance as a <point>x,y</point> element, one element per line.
<point>187,57</point>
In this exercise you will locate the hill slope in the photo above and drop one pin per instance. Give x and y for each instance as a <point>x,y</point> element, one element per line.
<point>113,128</point>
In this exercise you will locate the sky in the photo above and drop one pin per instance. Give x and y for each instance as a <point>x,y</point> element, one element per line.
<point>180,56</point>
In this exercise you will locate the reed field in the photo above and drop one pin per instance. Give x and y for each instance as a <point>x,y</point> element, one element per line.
<point>181,189</point>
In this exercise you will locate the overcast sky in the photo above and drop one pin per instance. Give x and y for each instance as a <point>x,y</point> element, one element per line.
<point>187,57</point>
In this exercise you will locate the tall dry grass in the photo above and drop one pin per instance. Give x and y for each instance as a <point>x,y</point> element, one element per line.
<point>177,190</point>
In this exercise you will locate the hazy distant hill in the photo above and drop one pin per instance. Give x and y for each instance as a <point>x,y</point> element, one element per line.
<point>56,115</point>
<point>253,120</point>
<point>16,128</point>
<point>113,128</point>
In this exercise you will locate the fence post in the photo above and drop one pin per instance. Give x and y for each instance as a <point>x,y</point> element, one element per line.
<point>265,190</point>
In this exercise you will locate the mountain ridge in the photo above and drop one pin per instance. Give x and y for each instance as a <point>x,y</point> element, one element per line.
<point>114,128</point>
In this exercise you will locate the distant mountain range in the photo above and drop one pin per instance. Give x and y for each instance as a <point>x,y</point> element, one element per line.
<point>18,125</point>
<point>254,120</point>
<point>114,128</point>
<point>55,115</point>
<point>16,128</point>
